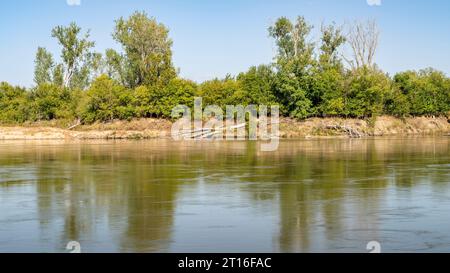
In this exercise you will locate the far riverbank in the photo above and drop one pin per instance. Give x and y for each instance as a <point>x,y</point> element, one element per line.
<point>289,128</point>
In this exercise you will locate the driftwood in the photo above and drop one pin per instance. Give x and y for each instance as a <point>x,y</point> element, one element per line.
<point>208,132</point>
<point>74,126</point>
<point>353,133</point>
<point>204,133</point>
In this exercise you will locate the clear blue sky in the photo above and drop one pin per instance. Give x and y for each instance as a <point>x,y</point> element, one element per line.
<point>216,37</point>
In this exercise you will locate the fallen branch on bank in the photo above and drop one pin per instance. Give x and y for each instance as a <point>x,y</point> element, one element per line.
<point>209,132</point>
<point>205,133</point>
<point>74,126</point>
<point>353,133</point>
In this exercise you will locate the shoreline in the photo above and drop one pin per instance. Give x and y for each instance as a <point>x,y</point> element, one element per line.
<point>289,129</point>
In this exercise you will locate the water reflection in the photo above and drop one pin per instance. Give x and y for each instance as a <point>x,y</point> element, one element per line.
<point>161,196</point>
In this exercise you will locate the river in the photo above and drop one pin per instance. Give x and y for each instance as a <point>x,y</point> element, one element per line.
<point>332,195</point>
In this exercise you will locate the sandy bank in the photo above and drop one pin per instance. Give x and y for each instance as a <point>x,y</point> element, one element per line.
<point>310,128</point>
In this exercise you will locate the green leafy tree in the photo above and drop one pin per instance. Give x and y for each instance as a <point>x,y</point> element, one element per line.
<point>14,104</point>
<point>427,91</point>
<point>332,39</point>
<point>43,67</point>
<point>50,101</point>
<point>105,101</point>
<point>155,102</point>
<point>291,38</point>
<point>294,61</point>
<point>222,92</point>
<point>116,67</point>
<point>148,53</point>
<point>292,91</point>
<point>258,85</point>
<point>58,75</point>
<point>144,101</point>
<point>397,103</point>
<point>75,54</point>
<point>327,91</point>
<point>177,92</point>
<point>366,91</point>
<point>326,88</point>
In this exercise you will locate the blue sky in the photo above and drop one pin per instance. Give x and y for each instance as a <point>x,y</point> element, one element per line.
<point>216,37</point>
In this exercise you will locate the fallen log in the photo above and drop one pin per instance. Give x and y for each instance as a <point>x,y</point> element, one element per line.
<point>353,133</point>
<point>74,126</point>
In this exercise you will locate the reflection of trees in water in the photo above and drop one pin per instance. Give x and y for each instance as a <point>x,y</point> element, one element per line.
<point>332,187</point>
<point>82,185</point>
<point>133,186</point>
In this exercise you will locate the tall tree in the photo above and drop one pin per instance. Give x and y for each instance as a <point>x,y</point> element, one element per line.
<point>115,67</point>
<point>332,39</point>
<point>148,53</point>
<point>327,76</point>
<point>293,61</point>
<point>363,39</point>
<point>258,84</point>
<point>291,38</point>
<point>75,52</point>
<point>43,66</point>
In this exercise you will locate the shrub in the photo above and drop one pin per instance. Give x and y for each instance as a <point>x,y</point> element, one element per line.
<point>50,101</point>
<point>106,100</point>
<point>14,104</point>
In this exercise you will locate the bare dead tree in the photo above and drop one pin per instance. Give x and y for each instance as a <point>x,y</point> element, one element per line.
<point>363,39</point>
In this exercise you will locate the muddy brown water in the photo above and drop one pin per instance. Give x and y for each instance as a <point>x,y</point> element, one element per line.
<point>163,196</point>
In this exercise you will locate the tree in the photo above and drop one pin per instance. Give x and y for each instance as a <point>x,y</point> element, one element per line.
<point>148,53</point>
<point>50,101</point>
<point>363,39</point>
<point>294,61</point>
<point>427,91</point>
<point>332,39</point>
<point>292,92</point>
<point>223,92</point>
<point>151,101</point>
<point>75,54</point>
<point>14,104</point>
<point>106,100</point>
<point>43,66</point>
<point>326,88</point>
<point>291,38</point>
<point>58,75</point>
<point>397,103</point>
<point>177,92</point>
<point>327,91</point>
<point>258,85</point>
<point>115,66</point>
<point>365,92</point>
<point>91,68</point>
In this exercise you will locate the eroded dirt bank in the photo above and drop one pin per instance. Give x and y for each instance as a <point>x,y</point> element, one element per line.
<point>310,128</point>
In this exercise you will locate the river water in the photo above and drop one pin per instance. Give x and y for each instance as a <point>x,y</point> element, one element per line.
<point>163,196</point>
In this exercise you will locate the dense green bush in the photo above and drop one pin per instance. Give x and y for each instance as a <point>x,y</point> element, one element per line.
<point>258,86</point>
<point>158,101</point>
<point>427,91</point>
<point>49,101</point>
<point>13,104</point>
<point>222,92</point>
<point>365,92</point>
<point>106,100</point>
<point>327,92</point>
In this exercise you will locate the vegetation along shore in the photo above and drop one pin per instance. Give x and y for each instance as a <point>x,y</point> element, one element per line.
<point>131,93</point>
<point>289,128</point>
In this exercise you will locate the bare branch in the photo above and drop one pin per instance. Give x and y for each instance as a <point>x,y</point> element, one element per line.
<point>363,39</point>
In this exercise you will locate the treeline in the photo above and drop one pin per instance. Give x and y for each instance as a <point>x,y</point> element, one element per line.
<point>306,78</point>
